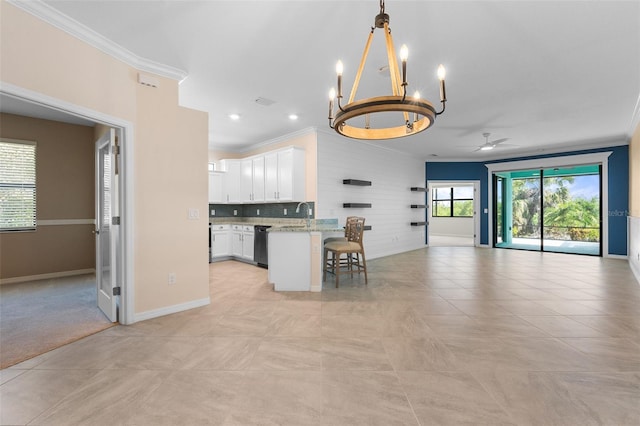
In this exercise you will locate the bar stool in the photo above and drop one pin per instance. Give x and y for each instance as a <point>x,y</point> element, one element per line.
<point>352,247</point>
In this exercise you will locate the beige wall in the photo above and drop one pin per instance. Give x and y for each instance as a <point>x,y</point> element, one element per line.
<point>65,190</point>
<point>169,145</point>
<point>634,173</point>
<point>308,141</point>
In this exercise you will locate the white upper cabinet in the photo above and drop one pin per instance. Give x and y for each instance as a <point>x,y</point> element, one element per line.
<point>276,176</point>
<point>284,175</point>
<point>252,179</point>
<point>231,179</point>
<point>216,188</point>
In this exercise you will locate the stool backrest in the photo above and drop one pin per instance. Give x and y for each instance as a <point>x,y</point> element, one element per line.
<point>355,229</point>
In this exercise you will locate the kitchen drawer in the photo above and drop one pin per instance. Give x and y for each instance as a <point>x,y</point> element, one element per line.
<point>236,227</point>
<point>217,227</point>
<point>248,228</point>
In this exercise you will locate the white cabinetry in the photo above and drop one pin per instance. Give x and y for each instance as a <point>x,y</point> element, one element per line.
<point>216,188</point>
<point>236,240</point>
<point>220,240</point>
<point>247,242</point>
<point>231,181</point>
<point>242,237</point>
<point>284,175</point>
<point>252,179</point>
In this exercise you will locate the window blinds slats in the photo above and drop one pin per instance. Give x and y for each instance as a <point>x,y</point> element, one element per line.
<point>17,186</point>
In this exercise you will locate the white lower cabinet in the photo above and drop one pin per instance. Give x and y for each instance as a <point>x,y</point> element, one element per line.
<point>236,240</point>
<point>220,240</point>
<point>247,242</point>
<point>242,237</point>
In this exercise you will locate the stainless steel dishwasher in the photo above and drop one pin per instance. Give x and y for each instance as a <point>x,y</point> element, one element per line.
<point>260,245</point>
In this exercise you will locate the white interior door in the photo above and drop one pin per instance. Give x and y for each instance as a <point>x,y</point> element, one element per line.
<point>107,228</point>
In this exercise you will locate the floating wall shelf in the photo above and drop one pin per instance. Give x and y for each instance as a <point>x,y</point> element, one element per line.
<point>356,182</point>
<point>418,223</point>
<point>356,205</point>
<point>418,206</point>
<point>418,189</point>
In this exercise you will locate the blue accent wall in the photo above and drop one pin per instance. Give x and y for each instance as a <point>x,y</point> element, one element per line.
<point>618,188</point>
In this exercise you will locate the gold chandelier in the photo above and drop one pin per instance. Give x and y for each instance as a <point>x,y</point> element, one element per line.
<point>419,114</point>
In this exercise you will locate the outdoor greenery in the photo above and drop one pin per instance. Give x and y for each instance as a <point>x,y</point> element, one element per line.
<point>565,217</point>
<point>458,199</point>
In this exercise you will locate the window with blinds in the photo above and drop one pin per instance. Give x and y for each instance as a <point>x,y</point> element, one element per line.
<point>17,185</point>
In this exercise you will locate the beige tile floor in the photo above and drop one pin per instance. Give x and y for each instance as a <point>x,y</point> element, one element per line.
<point>440,336</point>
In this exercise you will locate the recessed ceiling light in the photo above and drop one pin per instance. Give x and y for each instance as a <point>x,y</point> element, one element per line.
<point>234,116</point>
<point>293,117</point>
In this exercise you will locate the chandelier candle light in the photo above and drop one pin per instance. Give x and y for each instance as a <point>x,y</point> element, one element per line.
<point>418,113</point>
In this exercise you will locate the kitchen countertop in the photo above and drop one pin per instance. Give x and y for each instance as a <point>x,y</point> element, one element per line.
<point>282,224</point>
<point>303,228</point>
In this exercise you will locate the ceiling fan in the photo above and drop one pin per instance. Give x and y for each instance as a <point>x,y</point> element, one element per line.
<point>489,145</point>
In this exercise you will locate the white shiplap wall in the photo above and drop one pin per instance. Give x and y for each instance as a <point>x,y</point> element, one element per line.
<point>392,175</point>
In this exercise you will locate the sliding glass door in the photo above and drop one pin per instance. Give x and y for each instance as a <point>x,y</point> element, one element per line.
<point>556,210</point>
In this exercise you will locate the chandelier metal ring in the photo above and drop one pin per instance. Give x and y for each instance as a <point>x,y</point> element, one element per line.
<point>381,104</point>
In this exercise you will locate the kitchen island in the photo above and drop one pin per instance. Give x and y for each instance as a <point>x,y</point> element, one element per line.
<point>295,255</point>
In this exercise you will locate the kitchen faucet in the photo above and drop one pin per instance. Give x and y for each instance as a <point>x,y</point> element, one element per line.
<point>308,212</point>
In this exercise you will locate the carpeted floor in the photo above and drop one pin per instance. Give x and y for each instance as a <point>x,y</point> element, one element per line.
<point>38,316</point>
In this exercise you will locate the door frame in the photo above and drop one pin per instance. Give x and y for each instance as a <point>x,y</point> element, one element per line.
<point>126,179</point>
<point>599,158</point>
<point>476,204</point>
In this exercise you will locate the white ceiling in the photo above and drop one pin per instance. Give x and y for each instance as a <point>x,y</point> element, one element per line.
<point>548,75</point>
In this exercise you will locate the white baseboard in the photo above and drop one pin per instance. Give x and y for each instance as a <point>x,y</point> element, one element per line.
<point>61,274</point>
<point>484,246</point>
<point>171,309</point>
<point>636,271</point>
<point>616,256</point>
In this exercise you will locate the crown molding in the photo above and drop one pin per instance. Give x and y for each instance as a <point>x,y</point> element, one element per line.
<point>52,16</point>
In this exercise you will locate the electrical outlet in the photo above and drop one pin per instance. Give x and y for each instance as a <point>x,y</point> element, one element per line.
<point>257,212</point>
<point>285,212</point>
<point>213,212</point>
<point>172,278</point>
<point>235,212</point>
<point>310,212</point>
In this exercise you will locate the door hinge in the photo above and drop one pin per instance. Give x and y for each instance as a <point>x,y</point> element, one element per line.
<point>116,291</point>
<point>115,220</point>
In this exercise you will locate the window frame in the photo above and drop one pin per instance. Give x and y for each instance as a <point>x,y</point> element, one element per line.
<point>21,184</point>
<point>451,201</point>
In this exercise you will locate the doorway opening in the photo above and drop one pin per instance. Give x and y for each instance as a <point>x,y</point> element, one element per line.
<point>35,105</point>
<point>452,213</point>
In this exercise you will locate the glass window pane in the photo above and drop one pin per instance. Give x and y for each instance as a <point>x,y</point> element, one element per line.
<point>462,192</point>
<point>17,185</point>
<point>463,208</point>
<point>441,208</point>
<point>442,194</point>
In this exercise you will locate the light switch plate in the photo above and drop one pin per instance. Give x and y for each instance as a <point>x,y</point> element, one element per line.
<point>193,214</point>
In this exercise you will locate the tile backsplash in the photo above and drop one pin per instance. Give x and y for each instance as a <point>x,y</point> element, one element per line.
<point>271,210</point>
